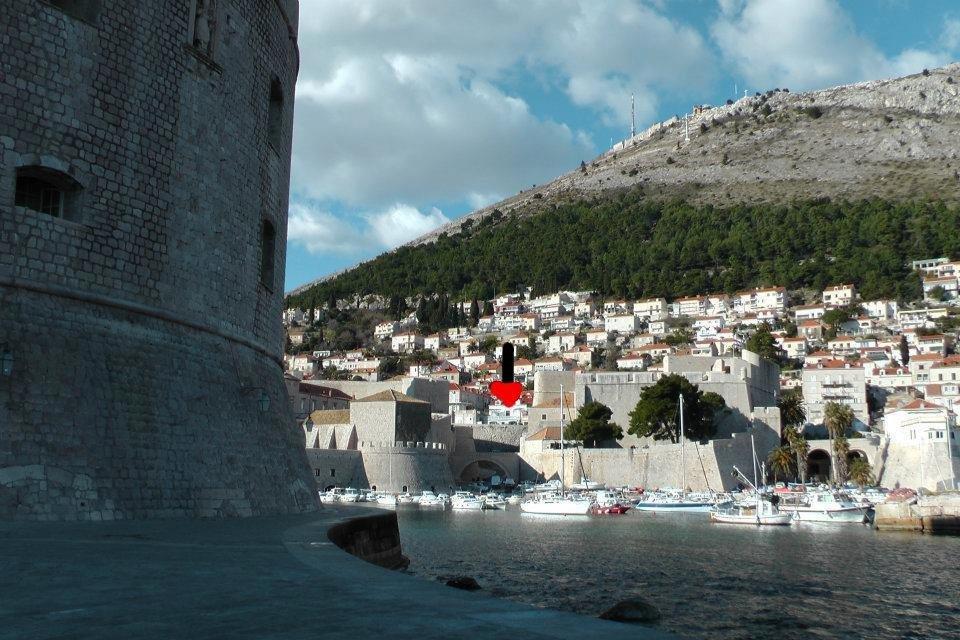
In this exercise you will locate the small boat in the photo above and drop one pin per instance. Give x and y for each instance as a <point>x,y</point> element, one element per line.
<point>823,506</point>
<point>331,495</point>
<point>586,484</point>
<point>405,498</point>
<point>760,511</point>
<point>443,498</point>
<point>763,512</point>
<point>387,500</point>
<point>494,501</point>
<point>466,501</point>
<point>677,502</point>
<point>609,503</point>
<point>557,504</point>
<point>429,499</point>
<point>350,495</point>
<point>550,486</point>
<point>514,499</point>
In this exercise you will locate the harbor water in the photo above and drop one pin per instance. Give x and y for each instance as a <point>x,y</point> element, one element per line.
<point>708,580</point>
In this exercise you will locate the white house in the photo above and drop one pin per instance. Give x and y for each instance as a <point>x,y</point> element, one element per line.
<point>650,308</point>
<point>624,324</point>
<point>406,341</point>
<point>561,342</point>
<point>385,329</point>
<point>839,295</point>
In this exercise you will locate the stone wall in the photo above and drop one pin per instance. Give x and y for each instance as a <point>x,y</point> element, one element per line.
<point>436,392</point>
<point>391,468</point>
<point>708,466</point>
<point>338,468</point>
<point>144,327</point>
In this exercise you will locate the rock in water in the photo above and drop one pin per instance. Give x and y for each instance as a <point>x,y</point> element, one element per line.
<point>632,610</point>
<point>464,582</point>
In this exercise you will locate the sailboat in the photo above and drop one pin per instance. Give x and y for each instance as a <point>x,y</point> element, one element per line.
<point>764,512</point>
<point>558,503</point>
<point>679,501</point>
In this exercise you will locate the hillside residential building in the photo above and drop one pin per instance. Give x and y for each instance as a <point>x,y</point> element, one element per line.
<point>941,289</point>
<point>794,348</point>
<point>624,324</point>
<point>560,342</point>
<point>633,361</point>
<point>406,342</point>
<point>834,381</point>
<point>808,312</point>
<point>650,309</point>
<point>839,295</point>
<point>385,330</point>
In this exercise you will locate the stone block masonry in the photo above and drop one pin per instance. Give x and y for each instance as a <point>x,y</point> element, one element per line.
<point>143,186</point>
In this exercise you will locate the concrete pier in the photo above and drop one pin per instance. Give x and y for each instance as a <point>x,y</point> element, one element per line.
<point>277,577</point>
<point>931,514</point>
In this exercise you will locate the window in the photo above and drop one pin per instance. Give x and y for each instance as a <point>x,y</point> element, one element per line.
<point>333,473</point>
<point>268,242</point>
<point>47,191</point>
<point>275,115</point>
<point>317,472</point>
<point>86,10</point>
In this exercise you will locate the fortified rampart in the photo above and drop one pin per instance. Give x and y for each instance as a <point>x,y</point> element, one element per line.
<point>143,188</point>
<point>656,465</point>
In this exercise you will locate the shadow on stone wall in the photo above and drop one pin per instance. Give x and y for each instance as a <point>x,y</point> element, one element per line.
<point>374,539</point>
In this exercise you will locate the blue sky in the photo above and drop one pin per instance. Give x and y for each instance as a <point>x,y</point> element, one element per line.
<point>410,113</point>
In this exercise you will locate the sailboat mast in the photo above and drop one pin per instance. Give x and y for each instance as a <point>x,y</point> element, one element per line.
<point>683,465</point>
<point>561,441</point>
<point>756,487</point>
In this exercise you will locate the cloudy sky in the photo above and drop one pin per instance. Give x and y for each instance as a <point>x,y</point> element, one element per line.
<point>410,113</point>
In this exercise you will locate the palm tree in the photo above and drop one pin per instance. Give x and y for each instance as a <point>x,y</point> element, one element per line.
<point>838,418</point>
<point>792,413</point>
<point>841,449</point>
<point>800,449</point>
<point>861,472</point>
<point>781,461</point>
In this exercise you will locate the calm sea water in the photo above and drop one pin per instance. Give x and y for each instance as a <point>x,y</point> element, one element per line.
<point>708,580</point>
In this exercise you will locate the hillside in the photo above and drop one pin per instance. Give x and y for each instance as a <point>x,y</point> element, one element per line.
<point>751,174</point>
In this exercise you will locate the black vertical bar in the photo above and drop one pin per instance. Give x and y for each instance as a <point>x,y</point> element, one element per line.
<point>506,362</point>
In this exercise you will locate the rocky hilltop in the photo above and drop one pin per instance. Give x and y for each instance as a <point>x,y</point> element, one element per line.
<point>893,139</point>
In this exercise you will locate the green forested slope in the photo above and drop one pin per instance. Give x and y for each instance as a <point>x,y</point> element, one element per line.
<point>625,246</point>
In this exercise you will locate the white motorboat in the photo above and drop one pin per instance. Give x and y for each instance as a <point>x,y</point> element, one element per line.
<point>405,498</point>
<point>466,501</point>
<point>514,500</point>
<point>494,501</point>
<point>586,484</point>
<point>823,506</point>
<point>387,500</point>
<point>557,504</point>
<point>678,502</point>
<point>350,495</point>
<point>550,486</point>
<point>331,495</point>
<point>429,499</point>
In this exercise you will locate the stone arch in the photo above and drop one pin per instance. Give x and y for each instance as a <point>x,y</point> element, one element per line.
<point>854,454</point>
<point>483,468</point>
<point>819,465</point>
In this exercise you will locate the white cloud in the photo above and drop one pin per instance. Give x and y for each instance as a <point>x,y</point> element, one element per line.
<point>408,101</point>
<point>321,232</point>
<point>402,223</point>
<point>805,45</point>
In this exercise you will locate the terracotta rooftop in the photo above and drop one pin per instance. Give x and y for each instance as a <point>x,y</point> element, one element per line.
<point>330,416</point>
<point>547,433</point>
<point>390,395</point>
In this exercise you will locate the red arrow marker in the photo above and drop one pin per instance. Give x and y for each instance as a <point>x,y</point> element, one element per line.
<point>506,390</point>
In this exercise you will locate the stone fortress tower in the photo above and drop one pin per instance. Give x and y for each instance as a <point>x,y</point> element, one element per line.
<point>143,192</point>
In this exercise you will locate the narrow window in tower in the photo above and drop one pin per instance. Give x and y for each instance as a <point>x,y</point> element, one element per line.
<point>203,26</point>
<point>86,10</point>
<point>47,191</point>
<point>268,247</point>
<point>275,116</point>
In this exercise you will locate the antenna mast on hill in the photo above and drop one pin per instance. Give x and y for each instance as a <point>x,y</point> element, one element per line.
<point>633,125</point>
